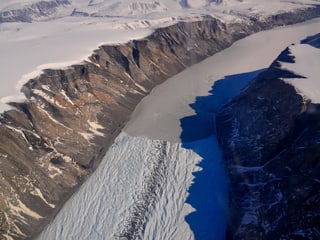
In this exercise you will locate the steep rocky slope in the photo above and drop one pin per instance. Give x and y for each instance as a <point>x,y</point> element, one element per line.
<point>54,140</point>
<point>270,138</point>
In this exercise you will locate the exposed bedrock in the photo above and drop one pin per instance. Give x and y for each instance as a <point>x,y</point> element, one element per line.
<point>51,142</point>
<point>270,139</point>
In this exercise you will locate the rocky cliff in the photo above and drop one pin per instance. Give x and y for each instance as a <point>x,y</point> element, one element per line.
<point>51,142</point>
<point>270,137</point>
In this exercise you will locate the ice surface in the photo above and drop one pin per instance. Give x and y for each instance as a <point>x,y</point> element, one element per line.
<point>109,199</point>
<point>141,190</point>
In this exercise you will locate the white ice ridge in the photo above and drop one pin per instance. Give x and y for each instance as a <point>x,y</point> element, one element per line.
<point>306,64</point>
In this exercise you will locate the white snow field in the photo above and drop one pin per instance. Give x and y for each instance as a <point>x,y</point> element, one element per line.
<point>71,34</point>
<point>37,46</point>
<point>307,64</point>
<point>146,188</point>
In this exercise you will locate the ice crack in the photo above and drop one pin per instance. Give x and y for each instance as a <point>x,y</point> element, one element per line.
<point>154,179</point>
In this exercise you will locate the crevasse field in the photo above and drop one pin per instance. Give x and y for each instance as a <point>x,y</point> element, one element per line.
<point>164,178</point>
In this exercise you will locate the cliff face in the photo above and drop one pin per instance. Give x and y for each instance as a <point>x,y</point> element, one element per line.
<point>270,136</point>
<point>51,142</point>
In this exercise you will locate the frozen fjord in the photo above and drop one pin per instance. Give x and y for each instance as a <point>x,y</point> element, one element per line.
<point>103,206</point>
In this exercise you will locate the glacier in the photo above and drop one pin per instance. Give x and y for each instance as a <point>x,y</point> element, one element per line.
<point>149,188</point>
<point>153,183</point>
<point>119,197</point>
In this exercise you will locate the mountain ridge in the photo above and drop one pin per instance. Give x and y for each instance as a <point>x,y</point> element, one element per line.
<point>269,136</point>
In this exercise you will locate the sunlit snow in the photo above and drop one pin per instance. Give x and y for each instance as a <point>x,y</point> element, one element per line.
<point>307,64</point>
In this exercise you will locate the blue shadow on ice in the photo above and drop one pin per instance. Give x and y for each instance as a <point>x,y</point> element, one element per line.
<point>208,195</point>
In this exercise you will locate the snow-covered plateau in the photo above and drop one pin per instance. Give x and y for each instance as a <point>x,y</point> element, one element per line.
<point>83,67</point>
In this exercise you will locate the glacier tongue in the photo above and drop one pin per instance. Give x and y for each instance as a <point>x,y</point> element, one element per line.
<point>204,208</point>
<point>139,183</point>
<point>141,190</point>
